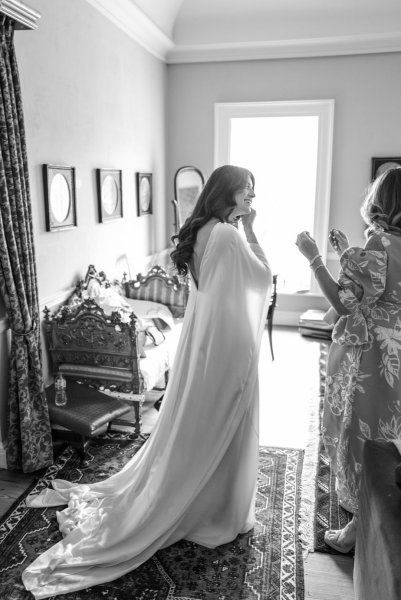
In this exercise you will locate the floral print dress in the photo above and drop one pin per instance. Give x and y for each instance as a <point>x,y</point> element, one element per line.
<point>363,390</point>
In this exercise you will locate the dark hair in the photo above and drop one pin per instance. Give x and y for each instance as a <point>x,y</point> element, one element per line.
<point>382,205</point>
<point>217,200</point>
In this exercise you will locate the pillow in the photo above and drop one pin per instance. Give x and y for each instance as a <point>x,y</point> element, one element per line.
<point>154,318</point>
<point>74,300</point>
<point>147,337</point>
<point>152,313</point>
<point>110,301</point>
<point>93,288</point>
<point>141,337</point>
<point>155,335</point>
<point>108,296</point>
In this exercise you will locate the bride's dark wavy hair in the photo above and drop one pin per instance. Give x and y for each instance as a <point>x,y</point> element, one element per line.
<point>382,206</point>
<point>216,200</point>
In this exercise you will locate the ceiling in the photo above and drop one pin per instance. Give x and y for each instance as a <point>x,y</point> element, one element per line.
<point>197,30</point>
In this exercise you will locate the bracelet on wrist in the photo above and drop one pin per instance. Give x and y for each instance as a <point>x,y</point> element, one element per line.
<point>314,258</point>
<point>316,268</point>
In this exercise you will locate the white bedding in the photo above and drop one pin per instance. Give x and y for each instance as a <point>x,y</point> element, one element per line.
<point>159,359</point>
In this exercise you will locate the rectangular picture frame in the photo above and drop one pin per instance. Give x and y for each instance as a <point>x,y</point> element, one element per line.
<point>109,194</point>
<point>382,163</point>
<point>144,194</point>
<point>60,197</point>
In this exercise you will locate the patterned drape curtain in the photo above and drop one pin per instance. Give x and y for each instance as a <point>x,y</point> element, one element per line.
<point>29,443</point>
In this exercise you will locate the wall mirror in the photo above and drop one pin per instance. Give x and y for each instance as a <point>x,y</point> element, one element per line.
<point>59,188</point>
<point>188,184</point>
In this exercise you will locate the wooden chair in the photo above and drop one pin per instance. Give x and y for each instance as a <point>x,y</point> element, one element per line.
<point>270,314</point>
<point>87,414</point>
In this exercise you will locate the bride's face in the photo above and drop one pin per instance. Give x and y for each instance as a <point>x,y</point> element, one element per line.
<point>243,198</point>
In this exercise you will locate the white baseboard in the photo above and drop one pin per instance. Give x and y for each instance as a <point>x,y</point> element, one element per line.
<point>3,457</point>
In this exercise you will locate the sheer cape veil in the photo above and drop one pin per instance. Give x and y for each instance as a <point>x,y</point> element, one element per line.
<point>195,477</point>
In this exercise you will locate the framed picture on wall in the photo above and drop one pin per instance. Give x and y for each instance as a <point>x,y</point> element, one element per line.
<point>144,193</point>
<point>381,164</point>
<point>109,194</point>
<point>60,197</point>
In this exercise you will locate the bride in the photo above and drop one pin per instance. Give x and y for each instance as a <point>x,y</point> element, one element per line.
<point>195,477</point>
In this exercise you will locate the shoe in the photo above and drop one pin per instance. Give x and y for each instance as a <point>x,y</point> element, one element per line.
<point>342,540</point>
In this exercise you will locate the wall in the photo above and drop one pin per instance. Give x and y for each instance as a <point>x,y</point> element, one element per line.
<point>367,94</point>
<point>93,98</point>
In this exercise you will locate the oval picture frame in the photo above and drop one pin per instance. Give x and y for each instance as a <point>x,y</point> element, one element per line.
<point>60,197</point>
<point>144,194</point>
<point>109,194</point>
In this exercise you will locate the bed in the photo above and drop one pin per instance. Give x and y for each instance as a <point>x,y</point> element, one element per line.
<point>118,336</point>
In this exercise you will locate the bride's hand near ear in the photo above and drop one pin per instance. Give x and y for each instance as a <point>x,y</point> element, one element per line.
<point>248,220</point>
<point>247,223</point>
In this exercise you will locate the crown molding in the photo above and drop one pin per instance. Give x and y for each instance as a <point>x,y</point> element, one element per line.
<point>130,19</point>
<point>136,24</point>
<point>301,48</point>
<point>24,16</point>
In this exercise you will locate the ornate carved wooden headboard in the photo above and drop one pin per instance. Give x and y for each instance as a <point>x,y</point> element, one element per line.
<point>91,347</point>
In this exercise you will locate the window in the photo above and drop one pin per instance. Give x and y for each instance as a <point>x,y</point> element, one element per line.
<point>288,147</point>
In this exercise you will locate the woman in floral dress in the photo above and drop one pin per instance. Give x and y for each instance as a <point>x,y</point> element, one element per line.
<point>363,390</point>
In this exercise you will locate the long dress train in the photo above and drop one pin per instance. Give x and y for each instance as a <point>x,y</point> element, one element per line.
<point>195,477</point>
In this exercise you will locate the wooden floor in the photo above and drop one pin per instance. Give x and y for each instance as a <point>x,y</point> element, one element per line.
<point>286,386</point>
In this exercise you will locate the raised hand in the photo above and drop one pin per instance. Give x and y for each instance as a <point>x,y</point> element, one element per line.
<point>307,245</point>
<point>248,219</point>
<point>338,240</point>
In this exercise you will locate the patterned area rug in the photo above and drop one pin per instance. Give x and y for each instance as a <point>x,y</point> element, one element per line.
<point>329,513</point>
<point>265,564</point>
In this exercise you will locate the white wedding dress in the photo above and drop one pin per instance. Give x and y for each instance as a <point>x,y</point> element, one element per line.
<point>195,477</point>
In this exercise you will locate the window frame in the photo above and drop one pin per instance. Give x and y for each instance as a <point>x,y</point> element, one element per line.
<point>324,110</point>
